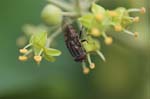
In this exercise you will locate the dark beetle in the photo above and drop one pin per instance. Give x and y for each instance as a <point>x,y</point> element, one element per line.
<point>73,43</point>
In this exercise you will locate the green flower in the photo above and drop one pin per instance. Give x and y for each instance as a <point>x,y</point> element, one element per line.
<point>38,46</point>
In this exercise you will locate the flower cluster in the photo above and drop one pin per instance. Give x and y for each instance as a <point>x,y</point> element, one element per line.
<point>96,22</point>
<point>37,45</point>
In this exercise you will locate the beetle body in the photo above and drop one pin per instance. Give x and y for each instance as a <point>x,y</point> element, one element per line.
<point>73,43</point>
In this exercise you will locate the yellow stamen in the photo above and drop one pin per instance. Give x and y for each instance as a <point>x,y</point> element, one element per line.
<point>86,70</point>
<point>92,65</point>
<point>113,13</point>
<point>136,34</point>
<point>118,28</point>
<point>99,17</point>
<point>23,51</point>
<point>37,59</point>
<point>95,32</point>
<point>23,58</point>
<point>108,40</point>
<point>136,19</point>
<point>142,10</point>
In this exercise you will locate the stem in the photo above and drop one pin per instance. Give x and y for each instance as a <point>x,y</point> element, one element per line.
<point>78,7</point>
<point>104,35</point>
<point>52,37</point>
<point>40,52</point>
<point>27,46</point>
<point>70,14</point>
<point>61,4</point>
<point>134,10</point>
<point>28,52</point>
<point>101,55</point>
<point>128,32</point>
<point>89,59</point>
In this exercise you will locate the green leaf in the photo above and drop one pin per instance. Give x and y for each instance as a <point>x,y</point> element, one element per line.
<point>49,58</point>
<point>39,39</point>
<point>52,52</point>
<point>86,20</point>
<point>97,9</point>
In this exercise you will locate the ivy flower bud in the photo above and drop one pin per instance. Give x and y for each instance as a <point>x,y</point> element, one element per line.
<point>142,10</point>
<point>113,13</point>
<point>118,28</point>
<point>136,19</point>
<point>95,32</point>
<point>108,40</point>
<point>23,51</point>
<point>23,58</point>
<point>38,59</point>
<point>99,17</point>
<point>51,15</point>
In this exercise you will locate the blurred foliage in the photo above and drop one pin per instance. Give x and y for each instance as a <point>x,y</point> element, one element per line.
<point>125,75</point>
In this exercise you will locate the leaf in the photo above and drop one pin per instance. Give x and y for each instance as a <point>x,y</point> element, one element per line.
<point>39,39</point>
<point>86,20</point>
<point>97,9</point>
<point>49,58</point>
<point>52,52</point>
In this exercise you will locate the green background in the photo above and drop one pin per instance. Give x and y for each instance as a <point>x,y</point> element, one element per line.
<point>125,75</point>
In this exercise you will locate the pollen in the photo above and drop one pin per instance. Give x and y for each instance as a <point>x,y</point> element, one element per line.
<point>113,13</point>
<point>37,59</point>
<point>142,10</point>
<point>86,70</point>
<point>23,58</point>
<point>108,40</point>
<point>23,51</point>
<point>118,28</point>
<point>92,65</point>
<point>99,17</point>
<point>95,32</point>
<point>136,19</point>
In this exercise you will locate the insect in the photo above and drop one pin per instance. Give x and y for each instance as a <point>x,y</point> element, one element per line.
<point>73,43</point>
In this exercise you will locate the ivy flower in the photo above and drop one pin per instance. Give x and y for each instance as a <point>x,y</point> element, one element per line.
<point>91,45</point>
<point>38,46</point>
